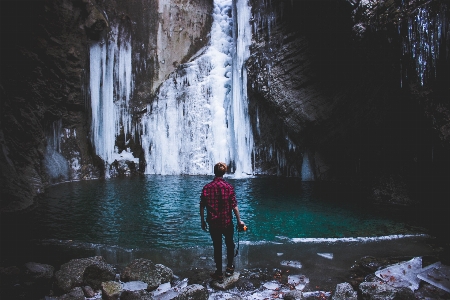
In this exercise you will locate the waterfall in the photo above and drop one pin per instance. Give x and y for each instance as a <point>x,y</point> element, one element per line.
<point>111,86</point>
<point>200,115</point>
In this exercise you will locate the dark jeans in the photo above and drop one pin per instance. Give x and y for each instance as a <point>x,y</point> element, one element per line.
<point>216,236</point>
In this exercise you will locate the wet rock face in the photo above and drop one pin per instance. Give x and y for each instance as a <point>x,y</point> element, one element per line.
<point>329,77</point>
<point>297,69</point>
<point>42,80</point>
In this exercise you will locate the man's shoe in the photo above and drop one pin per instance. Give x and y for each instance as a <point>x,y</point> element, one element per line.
<point>217,276</point>
<point>229,271</point>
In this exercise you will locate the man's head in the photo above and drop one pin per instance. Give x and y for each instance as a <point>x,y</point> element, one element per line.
<point>220,169</point>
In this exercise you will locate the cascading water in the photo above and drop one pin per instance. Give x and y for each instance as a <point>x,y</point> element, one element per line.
<point>200,115</point>
<point>111,86</point>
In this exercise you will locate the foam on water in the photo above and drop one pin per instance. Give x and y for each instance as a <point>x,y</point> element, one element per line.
<point>355,239</point>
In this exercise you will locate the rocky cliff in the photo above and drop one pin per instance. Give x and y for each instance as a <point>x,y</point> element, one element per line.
<point>334,85</point>
<point>360,88</point>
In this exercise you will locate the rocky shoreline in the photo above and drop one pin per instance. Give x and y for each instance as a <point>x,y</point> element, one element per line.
<point>94,278</point>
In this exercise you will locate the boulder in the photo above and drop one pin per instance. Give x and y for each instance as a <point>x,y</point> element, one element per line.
<point>88,291</point>
<point>145,270</point>
<point>383,291</point>
<point>111,290</point>
<point>9,275</point>
<point>72,274</point>
<point>344,291</point>
<point>37,271</point>
<point>194,291</point>
<point>293,295</point>
<point>74,294</point>
<point>37,279</point>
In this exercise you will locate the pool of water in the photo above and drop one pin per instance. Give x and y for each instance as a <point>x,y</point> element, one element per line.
<point>158,212</point>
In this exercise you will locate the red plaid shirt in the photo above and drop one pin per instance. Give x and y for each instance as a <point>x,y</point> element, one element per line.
<point>219,199</point>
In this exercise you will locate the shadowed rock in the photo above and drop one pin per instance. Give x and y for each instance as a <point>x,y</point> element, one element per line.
<point>72,274</point>
<point>74,294</point>
<point>38,271</point>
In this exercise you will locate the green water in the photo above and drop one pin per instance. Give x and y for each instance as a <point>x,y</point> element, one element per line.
<point>163,212</point>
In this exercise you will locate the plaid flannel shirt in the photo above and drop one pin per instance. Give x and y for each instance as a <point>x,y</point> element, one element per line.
<point>219,199</point>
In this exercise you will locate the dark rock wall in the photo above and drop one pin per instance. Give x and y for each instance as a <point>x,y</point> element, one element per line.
<point>43,72</point>
<point>332,77</point>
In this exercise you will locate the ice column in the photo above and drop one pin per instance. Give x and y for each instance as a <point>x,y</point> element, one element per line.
<point>56,166</point>
<point>243,136</point>
<point>111,86</point>
<point>307,174</point>
<point>194,122</point>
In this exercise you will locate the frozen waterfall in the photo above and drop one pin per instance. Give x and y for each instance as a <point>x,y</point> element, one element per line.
<point>56,166</point>
<point>111,86</point>
<point>200,115</point>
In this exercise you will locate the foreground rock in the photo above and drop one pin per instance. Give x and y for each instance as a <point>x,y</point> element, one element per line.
<point>227,282</point>
<point>145,270</point>
<point>74,294</point>
<point>90,271</point>
<point>37,271</point>
<point>195,291</point>
<point>381,290</point>
<point>344,291</point>
<point>111,290</point>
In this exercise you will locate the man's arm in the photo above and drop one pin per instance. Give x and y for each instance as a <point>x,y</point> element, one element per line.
<point>238,217</point>
<point>202,216</point>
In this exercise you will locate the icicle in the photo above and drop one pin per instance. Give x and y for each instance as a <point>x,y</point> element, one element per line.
<point>56,166</point>
<point>423,39</point>
<point>111,86</point>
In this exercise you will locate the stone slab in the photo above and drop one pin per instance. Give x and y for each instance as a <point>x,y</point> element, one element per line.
<point>227,282</point>
<point>402,274</point>
<point>436,274</point>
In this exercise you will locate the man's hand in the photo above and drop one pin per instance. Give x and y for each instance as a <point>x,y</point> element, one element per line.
<point>204,225</point>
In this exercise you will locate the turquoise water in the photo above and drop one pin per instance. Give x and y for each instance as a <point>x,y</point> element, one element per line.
<point>163,212</point>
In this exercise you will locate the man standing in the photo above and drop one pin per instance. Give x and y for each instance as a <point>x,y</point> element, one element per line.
<point>219,199</point>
